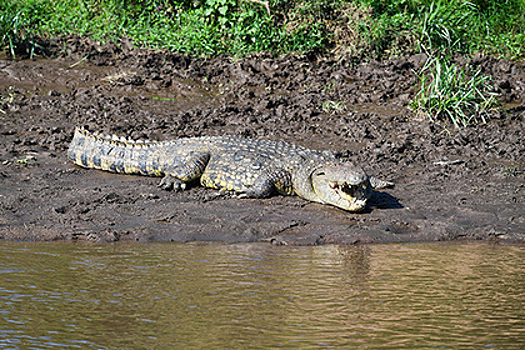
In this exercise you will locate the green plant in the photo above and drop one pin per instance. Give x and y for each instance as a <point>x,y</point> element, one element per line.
<point>12,23</point>
<point>219,11</point>
<point>440,27</point>
<point>368,28</point>
<point>389,27</point>
<point>448,94</point>
<point>332,107</point>
<point>19,25</point>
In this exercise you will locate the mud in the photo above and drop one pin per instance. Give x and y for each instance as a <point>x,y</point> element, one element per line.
<point>450,184</point>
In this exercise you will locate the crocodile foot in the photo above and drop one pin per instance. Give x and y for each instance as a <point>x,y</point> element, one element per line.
<point>169,183</point>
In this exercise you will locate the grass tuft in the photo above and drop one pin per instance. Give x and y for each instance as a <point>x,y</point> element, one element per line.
<point>448,94</point>
<point>12,27</point>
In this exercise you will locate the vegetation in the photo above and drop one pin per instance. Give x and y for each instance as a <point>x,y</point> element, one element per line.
<point>492,26</point>
<point>206,27</point>
<point>14,28</point>
<point>448,94</point>
<point>365,29</point>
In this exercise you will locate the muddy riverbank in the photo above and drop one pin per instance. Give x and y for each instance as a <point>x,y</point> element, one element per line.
<point>450,184</point>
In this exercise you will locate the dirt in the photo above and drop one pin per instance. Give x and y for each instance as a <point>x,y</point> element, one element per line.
<point>450,184</point>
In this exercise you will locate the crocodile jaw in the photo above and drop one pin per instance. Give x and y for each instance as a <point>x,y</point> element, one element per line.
<point>342,185</point>
<point>350,197</point>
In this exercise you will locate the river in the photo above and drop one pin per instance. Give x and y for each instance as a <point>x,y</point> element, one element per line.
<point>257,296</point>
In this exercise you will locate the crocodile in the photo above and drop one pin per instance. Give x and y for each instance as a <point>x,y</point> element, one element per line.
<point>250,168</point>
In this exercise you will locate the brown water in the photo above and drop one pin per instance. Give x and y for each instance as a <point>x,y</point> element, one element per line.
<point>247,296</point>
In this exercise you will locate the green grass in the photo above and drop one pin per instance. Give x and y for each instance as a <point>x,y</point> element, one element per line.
<point>447,93</point>
<point>366,28</point>
<point>391,27</point>
<point>206,27</point>
<point>14,28</point>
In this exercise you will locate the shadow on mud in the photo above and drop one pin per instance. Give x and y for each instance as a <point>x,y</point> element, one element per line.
<point>384,200</point>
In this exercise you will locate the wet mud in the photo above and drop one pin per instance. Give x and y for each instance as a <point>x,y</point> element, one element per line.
<point>450,184</point>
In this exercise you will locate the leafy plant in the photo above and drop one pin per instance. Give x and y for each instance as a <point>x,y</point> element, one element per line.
<point>219,10</point>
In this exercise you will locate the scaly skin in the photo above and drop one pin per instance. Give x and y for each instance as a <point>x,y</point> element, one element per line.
<point>252,168</point>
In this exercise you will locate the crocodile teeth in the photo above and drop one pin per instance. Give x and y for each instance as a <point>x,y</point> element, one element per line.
<point>349,189</point>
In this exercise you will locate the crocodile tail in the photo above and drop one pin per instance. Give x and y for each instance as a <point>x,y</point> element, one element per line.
<point>114,154</point>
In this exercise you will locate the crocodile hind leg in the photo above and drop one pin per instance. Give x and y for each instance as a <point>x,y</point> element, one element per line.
<point>183,171</point>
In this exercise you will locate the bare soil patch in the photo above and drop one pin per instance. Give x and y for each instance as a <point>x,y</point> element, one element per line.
<point>450,184</point>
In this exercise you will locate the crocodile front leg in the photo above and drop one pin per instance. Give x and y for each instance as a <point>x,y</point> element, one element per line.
<point>179,172</point>
<point>279,180</point>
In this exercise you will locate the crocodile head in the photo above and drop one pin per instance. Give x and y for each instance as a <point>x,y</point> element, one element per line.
<point>343,185</point>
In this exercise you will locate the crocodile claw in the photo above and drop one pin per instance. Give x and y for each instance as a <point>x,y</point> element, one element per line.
<point>169,183</point>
